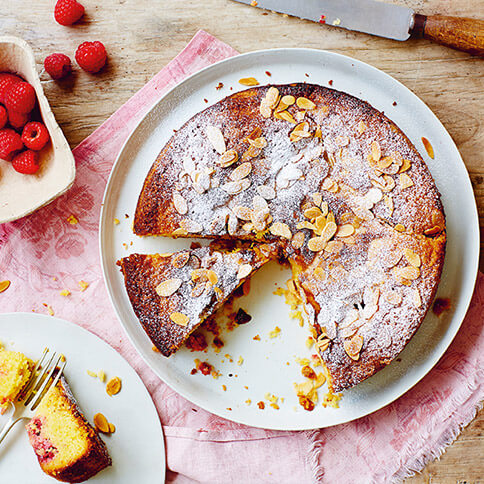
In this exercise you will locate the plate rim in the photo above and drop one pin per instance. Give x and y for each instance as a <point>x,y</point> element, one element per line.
<point>280,51</point>
<point>90,334</point>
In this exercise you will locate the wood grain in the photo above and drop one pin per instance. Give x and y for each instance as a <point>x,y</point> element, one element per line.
<point>459,33</point>
<point>141,36</point>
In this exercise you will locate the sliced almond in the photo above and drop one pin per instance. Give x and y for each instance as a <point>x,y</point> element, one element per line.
<point>317,244</point>
<point>405,181</point>
<point>345,230</point>
<point>179,232</point>
<point>266,192</point>
<point>265,111</point>
<point>375,151</point>
<point>242,213</point>
<point>417,300</point>
<point>232,224</point>
<point>361,127</point>
<point>258,143</point>
<point>101,423</point>
<point>298,240</point>
<point>353,347</point>
<point>4,285</point>
<point>399,228</point>
<point>312,212</point>
<point>249,81</point>
<point>329,231</point>
<point>305,103</point>
<point>180,203</point>
<point>179,318</point>
<point>272,96</point>
<point>199,288</point>
<point>412,258</point>
<point>212,277</point>
<point>342,140</point>
<point>191,226</point>
<point>286,116</point>
<point>405,166</point>
<point>317,199</point>
<point>409,273</point>
<point>288,100</point>
<point>113,386</point>
<point>244,271</point>
<point>305,224</point>
<point>388,200</point>
<point>228,158</point>
<point>216,138</point>
<point>168,287</point>
<point>435,230</point>
<point>180,260</point>
<point>281,229</point>
<point>393,297</point>
<point>241,172</point>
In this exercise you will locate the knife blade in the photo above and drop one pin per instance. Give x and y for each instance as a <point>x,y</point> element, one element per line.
<point>369,16</point>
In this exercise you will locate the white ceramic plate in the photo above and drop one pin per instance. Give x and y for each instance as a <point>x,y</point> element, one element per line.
<point>136,448</point>
<point>265,367</point>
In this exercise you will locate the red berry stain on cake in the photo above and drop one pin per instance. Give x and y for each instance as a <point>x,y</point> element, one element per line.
<point>43,447</point>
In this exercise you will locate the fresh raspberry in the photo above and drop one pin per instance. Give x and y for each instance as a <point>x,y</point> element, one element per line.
<point>6,80</point>
<point>57,65</point>
<point>35,136</point>
<point>67,12</point>
<point>26,162</point>
<point>18,120</point>
<point>3,117</point>
<point>20,97</point>
<point>10,142</point>
<point>91,56</point>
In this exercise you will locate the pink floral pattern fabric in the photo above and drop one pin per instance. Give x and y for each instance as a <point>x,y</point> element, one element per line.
<point>43,254</point>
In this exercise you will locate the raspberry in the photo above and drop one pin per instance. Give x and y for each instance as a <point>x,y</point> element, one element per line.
<point>10,142</point>
<point>18,120</point>
<point>3,117</point>
<point>6,80</point>
<point>20,97</point>
<point>35,136</point>
<point>91,56</point>
<point>66,12</point>
<point>26,162</point>
<point>57,65</point>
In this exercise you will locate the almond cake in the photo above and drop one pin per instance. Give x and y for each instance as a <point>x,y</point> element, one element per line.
<point>328,179</point>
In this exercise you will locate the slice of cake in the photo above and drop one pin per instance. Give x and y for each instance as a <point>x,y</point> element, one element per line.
<point>67,447</point>
<point>173,294</point>
<point>15,370</point>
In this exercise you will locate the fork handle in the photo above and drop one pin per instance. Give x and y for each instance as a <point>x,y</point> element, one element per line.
<point>10,423</point>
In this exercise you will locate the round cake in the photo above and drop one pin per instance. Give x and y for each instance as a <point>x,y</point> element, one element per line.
<point>337,186</point>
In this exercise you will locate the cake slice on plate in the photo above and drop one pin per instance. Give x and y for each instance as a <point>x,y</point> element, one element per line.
<point>67,447</point>
<point>172,294</point>
<point>15,371</point>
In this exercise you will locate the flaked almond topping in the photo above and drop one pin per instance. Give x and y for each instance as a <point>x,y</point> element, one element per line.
<point>267,192</point>
<point>180,231</point>
<point>342,140</point>
<point>101,423</point>
<point>393,297</point>
<point>405,166</point>
<point>286,116</point>
<point>412,258</point>
<point>316,244</point>
<point>305,103</point>
<point>417,300</point>
<point>180,260</point>
<point>399,228</point>
<point>288,100</point>
<point>329,230</point>
<point>272,97</point>
<point>228,158</point>
<point>113,386</point>
<point>244,271</point>
<point>259,203</point>
<point>265,111</point>
<point>199,288</point>
<point>375,151</point>
<point>258,143</point>
<point>112,428</point>
<point>433,231</point>
<point>345,230</point>
<point>280,229</point>
<point>179,318</point>
<point>168,287</point>
<point>298,240</point>
<point>241,171</point>
<point>191,226</point>
<point>212,277</point>
<point>384,162</point>
<point>312,212</point>
<point>216,138</point>
<point>409,273</point>
<point>405,181</point>
<point>305,224</point>
<point>428,147</point>
<point>324,208</point>
<point>236,187</point>
<point>180,203</point>
<point>353,347</point>
<point>249,81</point>
<point>4,285</point>
<point>388,200</point>
<point>317,199</point>
<point>243,213</point>
<point>232,224</point>
<point>361,127</point>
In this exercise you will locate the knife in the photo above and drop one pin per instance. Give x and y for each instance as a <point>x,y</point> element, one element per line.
<point>384,20</point>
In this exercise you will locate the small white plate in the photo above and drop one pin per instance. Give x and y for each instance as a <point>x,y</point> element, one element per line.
<point>136,448</point>
<point>265,367</point>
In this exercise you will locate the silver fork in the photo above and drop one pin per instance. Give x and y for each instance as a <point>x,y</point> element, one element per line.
<point>39,384</point>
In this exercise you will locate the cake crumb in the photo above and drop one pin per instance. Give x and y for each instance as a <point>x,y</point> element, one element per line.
<point>65,292</point>
<point>101,375</point>
<point>261,405</point>
<point>50,310</point>
<point>275,406</point>
<point>248,401</point>
<point>116,221</point>
<point>240,360</point>
<point>256,337</point>
<point>83,285</point>
<point>91,373</point>
<point>275,332</point>
<point>4,285</point>
<point>72,220</point>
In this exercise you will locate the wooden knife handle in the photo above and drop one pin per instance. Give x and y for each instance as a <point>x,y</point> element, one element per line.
<point>466,34</point>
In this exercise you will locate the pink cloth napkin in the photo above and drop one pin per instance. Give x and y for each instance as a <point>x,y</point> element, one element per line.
<point>43,254</point>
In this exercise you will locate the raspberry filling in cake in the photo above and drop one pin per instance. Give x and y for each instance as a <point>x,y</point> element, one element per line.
<point>43,447</point>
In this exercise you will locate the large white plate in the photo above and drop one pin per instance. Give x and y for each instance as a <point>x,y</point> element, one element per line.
<point>265,366</point>
<point>136,448</point>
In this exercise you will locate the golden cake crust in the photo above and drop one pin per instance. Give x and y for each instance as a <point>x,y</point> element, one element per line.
<point>338,185</point>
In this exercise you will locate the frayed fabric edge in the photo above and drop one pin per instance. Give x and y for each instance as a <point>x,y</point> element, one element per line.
<point>316,446</point>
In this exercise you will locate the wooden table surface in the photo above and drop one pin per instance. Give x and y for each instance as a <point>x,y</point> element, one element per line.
<point>141,36</point>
